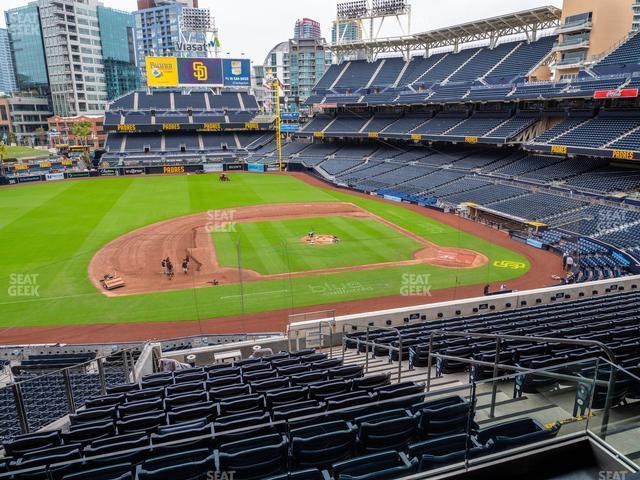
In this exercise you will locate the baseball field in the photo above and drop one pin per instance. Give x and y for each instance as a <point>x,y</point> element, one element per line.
<point>249,243</point>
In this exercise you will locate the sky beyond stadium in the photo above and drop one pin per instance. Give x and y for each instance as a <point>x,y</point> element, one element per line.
<point>253,27</point>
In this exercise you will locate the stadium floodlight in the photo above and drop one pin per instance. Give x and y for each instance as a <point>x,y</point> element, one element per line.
<point>352,9</point>
<point>389,7</point>
<point>196,20</point>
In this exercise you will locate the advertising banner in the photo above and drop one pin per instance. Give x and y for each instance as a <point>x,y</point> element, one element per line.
<point>54,176</point>
<point>77,174</point>
<point>134,171</point>
<point>108,172</point>
<point>212,167</point>
<point>29,178</point>
<point>290,127</point>
<point>289,115</point>
<point>162,71</point>
<point>233,166</point>
<point>255,167</point>
<point>623,93</point>
<point>236,73</point>
<point>200,72</point>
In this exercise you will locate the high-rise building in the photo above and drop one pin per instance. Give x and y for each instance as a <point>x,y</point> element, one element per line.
<point>73,50</point>
<point>306,28</point>
<point>636,15</point>
<point>298,63</point>
<point>162,26</point>
<point>7,74</point>
<point>345,31</point>
<point>27,48</point>
<point>116,38</point>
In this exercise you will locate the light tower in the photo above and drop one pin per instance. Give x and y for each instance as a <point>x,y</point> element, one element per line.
<point>196,25</point>
<point>370,16</point>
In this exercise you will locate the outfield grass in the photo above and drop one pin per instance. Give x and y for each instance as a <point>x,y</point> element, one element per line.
<point>21,152</point>
<point>275,247</point>
<point>52,230</point>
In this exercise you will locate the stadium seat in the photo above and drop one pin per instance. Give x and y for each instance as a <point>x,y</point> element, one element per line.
<point>447,450</point>
<point>323,444</point>
<point>254,458</point>
<point>378,466</point>
<point>515,433</point>
<point>392,429</point>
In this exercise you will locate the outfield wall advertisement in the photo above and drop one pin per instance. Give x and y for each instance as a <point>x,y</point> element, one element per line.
<point>198,72</point>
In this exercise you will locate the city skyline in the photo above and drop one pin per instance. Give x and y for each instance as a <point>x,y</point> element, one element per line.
<point>234,28</point>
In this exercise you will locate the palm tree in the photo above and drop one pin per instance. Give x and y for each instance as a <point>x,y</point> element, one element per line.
<point>81,130</point>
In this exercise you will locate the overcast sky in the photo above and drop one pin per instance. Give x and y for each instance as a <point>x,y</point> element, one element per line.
<point>253,27</point>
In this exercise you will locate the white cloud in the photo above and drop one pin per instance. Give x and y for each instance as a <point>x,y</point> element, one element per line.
<point>253,27</point>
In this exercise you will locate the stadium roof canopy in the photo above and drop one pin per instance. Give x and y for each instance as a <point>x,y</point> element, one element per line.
<point>528,22</point>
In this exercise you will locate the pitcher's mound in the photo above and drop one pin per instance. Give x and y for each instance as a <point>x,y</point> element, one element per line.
<point>319,239</point>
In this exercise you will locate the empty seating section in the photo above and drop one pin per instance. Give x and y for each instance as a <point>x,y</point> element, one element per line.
<point>418,66</point>
<point>485,195</point>
<point>184,141</point>
<point>489,92</point>
<point>586,88</point>
<point>449,93</point>
<point>111,118</point>
<point>479,65</point>
<point>607,180</point>
<point>513,126</point>
<point>625,54</point>
<point>319,123</point>
<point>378,123</point>
<point>329,77</point>
<point>599,131</point>
<point>528,164</point>
<point>537,206</point>
<point>195,101</point>
<point>357,75</point>
<point>559,129</point>
<point>388,74</point>
<point>292,415</point>
<point>565,169</point>
<point>216,141</point>
<point>138,143</point>
<point>157,100</point>
<point>523,59</point>
<point>343,124</point>
<point>445,68</point>
<point>406,125</point>
<point>630,141</point>
<point>478,125</point>
<point>113,143</point>
<point>339,165</point>
<point>440,124</point>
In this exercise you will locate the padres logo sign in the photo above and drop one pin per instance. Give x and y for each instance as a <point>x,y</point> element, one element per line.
<point>200,71</point>
<point>509,264</point>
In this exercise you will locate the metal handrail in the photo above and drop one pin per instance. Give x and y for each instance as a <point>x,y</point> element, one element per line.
<point>523,338</point>
<point>399,347</point>
<point>330,324</point>
<point>16,387</point>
